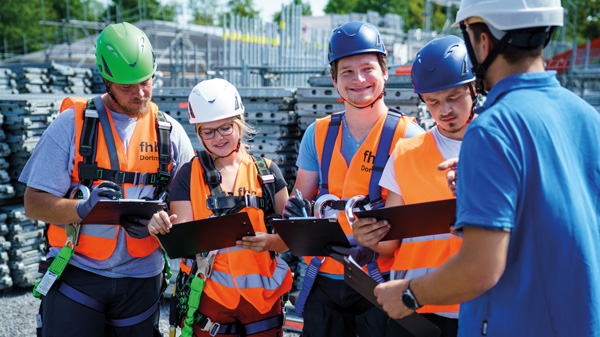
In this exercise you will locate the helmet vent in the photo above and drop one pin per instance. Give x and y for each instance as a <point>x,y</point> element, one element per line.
<point>106,69</point>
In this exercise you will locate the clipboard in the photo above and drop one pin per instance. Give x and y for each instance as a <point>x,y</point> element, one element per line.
<point>310,236</point>
<point>360,281</point>
<point>189,238</point>
<point>109,211</point>
<point>414,220</point>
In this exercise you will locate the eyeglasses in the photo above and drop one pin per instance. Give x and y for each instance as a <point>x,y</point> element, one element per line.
<point>224,130</point>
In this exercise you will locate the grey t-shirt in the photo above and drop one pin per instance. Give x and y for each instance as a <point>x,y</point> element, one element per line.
<point>51,165</point>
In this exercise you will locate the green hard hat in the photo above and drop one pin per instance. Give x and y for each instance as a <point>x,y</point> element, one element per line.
<point>124,54</point>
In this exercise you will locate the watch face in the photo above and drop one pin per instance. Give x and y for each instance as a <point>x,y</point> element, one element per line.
<point>408,301</point>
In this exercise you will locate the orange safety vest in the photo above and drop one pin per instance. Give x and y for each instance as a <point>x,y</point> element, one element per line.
<point>236,272</point>
<point>99,241</point>
<point>415,165</point>
<point>348,181</point>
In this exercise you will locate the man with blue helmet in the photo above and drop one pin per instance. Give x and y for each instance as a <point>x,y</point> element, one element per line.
<point>527,189</point>
<point>343,155</point>
<point>441,75</point>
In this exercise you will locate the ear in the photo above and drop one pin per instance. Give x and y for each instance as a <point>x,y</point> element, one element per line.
<point>486,46</point>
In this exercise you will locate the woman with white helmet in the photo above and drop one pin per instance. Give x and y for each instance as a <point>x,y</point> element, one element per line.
<point>243,290</point>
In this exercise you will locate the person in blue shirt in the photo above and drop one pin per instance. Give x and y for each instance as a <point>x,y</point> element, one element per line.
<point>528,183</point>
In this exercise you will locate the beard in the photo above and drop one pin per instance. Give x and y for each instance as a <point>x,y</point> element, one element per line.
<point>132,109</point>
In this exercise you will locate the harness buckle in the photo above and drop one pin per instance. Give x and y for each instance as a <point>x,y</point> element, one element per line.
<point>164,125</point>
<point>267,178</point>
<point>163,177</point>
<point>119,177</point>
<point>137,178</point>
<point>251,200</point>
<point>211,327</point>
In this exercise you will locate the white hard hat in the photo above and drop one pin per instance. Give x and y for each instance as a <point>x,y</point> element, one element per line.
<point>512,14</point>
<point>213,100</point>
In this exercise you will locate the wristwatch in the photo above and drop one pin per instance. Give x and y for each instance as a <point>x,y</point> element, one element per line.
<point>409,299</point>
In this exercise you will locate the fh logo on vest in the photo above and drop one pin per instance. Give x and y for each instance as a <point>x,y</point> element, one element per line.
<point>146,150</point>
<point>368,158</point>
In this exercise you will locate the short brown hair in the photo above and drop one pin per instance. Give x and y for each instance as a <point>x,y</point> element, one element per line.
<point>512,54</point>
<point>380,57</point>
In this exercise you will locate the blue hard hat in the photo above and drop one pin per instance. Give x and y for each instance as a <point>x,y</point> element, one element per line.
<point>353,38</point>
<point>441,64</point>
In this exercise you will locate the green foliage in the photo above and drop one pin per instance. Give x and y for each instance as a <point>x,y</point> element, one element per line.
<point>204,12</point>
<point>243,8</point>
<point>136,10</point>
<point>306,9</point>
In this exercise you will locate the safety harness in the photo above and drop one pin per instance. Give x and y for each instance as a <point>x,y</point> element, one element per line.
<point>95,113</point>
<point>371,201</point>
<point>188,288</point>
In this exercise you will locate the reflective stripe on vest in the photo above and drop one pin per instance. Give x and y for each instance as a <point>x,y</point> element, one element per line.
<point>237,272</point>
<point>417,159</point>
<point>348,181</point>
<point>141,155</point>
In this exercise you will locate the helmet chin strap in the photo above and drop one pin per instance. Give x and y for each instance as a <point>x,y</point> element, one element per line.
<point>367,105</point>
<point>109,92</point>
<point>479,69</point>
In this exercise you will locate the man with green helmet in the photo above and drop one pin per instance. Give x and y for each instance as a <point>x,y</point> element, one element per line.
<point>104,279</point>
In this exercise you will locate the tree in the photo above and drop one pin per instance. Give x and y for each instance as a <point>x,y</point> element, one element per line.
<point>243,8</point>
<point>136,10</point>
<point>204,12</point>
<point>306,9</point>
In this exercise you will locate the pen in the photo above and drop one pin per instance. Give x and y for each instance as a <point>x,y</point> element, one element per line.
<point>299,194</point>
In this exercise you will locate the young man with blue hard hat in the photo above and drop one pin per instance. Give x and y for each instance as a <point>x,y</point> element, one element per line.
<point>342,156</point>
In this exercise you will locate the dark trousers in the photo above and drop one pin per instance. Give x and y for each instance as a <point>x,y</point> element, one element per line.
<point>124,297</point>
<point>448,326</point>
<point>333,308</point>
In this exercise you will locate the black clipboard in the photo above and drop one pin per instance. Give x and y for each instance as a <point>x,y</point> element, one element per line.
<point>109,211</point>
<point>360,281</point>
<point>189,238</point>
<point>414,220</point>
<point>310,236</point>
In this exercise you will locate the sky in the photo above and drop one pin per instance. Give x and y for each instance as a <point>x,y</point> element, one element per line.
<point>268,7</point>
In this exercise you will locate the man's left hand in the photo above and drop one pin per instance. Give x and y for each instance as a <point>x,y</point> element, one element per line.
<point>389,295</point>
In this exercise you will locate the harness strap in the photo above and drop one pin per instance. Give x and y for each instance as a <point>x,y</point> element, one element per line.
<point>88,142</point>
<point>235,328</point>
<point>92,303</point>
<point>383,154</point>
<point>91,171</point>
<point>107,130</point>
<point>80,297</point>
<point>221,204</point>
<point>309,279</point>
<point>88,169</point>
<point>211,176</point>
<point>163,176</point>
<point>330,138</point>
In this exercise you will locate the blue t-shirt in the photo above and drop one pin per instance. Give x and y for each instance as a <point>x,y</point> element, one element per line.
<point>50,167</point>
<point>530,165</point>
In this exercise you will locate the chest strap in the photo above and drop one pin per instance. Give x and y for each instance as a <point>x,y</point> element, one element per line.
<point>94,114</point>
<point>222,204</point>
<point>382,155</point>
